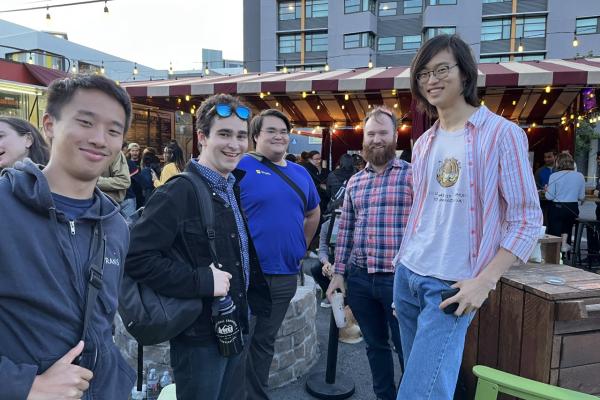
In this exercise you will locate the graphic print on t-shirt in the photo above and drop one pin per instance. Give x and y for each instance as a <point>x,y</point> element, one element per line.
<point>449,172</point>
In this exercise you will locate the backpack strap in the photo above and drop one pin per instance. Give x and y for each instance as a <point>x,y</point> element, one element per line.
<point>264,160</point>
<point>96,268</point>
<point>207,213</point>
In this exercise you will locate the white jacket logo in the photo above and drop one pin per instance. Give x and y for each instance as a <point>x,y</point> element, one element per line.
<point>112,261</point>
<point>225,329</point>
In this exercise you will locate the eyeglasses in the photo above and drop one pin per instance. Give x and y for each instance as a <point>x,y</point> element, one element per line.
<point>225,110</point>
<point>439,73</point>
<point>274,132</point>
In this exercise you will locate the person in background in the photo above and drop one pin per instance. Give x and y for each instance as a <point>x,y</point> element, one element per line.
<point>291,157</point>
<point>174,164</point>
<point>18,140</point>
<point>542,175</point>
<point>115,180</point>
<point>359,162</point>
<point>339,177</point>
<point>566,189</point>
<point>133,153</point>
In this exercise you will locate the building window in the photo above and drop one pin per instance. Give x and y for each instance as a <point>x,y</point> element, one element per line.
<point>357,40</point>
<point>354,6</point>
<point>413,6</point>
<point>388,8</point>
<point>314,67</point>
<point>495,1</point>
<point>494,59</point>
<point>441,2</point>
<point>411,42</point>
<point>315,42</point>
<point>290,9</point>
<point>507,58</point>
<point>439,30</point>
<point>289,44</point>
<point>531,27</point>
<point>316,8</point>
<point>386,43</point>
<point>495,29</point>
<point>587,26</point>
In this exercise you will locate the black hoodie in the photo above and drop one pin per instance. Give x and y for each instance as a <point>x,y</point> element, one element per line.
<point>43,287</point>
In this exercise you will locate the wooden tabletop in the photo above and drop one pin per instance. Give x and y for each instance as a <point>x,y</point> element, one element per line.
<point>532,278</point>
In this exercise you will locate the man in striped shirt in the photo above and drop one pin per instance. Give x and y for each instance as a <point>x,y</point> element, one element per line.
<point>373,219</point>
<point>475,212</point>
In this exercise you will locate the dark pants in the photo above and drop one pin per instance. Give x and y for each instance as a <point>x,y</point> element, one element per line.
<point>370,297</point>
<point>322,281</point>
<point>201,373</point>
<point>561,218</point>
<point>264,330</point>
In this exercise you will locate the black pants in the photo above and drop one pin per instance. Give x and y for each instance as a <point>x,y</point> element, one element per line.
<point>258,355</point>
<point>322,281</point>
<point>561,218</point>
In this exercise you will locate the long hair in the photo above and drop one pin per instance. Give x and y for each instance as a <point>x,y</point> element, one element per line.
<point>176,155</point>
<point>466,65</point>
<point>39,152</point>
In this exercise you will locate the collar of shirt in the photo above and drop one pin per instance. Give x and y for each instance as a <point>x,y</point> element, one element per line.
<point>394,163</point>
<point>215,179</point>
<point>475,120</point>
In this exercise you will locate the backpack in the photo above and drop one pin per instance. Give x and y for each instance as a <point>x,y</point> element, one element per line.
<point>150,317</point>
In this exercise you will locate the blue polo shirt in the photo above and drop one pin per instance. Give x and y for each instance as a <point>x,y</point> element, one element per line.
<point>276,213</point>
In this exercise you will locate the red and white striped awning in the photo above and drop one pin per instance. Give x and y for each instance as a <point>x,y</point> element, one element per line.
<point>513,89</point>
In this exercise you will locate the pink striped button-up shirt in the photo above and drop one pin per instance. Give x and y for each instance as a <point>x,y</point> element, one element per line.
<point>504,204</point>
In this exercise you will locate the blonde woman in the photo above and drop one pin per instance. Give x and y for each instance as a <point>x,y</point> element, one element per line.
<point>174,164</point>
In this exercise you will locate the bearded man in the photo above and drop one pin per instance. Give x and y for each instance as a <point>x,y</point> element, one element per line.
<point>374,215</point>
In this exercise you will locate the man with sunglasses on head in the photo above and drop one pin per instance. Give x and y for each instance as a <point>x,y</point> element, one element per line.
<point>475,213</point>
<point>374,214</point>
<point>170,251</point>
<point>282,205</point>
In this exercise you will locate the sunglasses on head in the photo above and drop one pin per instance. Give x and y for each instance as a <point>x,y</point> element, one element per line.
<point>225,111</point>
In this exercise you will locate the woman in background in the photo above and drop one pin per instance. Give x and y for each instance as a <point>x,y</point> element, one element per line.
<point>174,164</point>
<point>18,140</point>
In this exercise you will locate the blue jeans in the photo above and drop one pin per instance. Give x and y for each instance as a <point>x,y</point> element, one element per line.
<point>432,341</point>
<point>370,298</point>
<point>201,373</point>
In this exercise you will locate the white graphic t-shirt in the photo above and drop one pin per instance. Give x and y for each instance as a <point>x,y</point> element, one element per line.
<point>440,245</point>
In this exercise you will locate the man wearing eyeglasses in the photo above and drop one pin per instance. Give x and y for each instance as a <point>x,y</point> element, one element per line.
<point>170,251</point>
<point>475,213</point>
<point>374,215</point>
<point>282,205</point>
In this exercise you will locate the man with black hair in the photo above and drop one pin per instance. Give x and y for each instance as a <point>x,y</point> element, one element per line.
<point>61,234</point>
<point>475,212</point>
<point>282,205</point>
<point>170,251</point>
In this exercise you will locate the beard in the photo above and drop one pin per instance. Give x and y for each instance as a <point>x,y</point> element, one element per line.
<point>379,156</point>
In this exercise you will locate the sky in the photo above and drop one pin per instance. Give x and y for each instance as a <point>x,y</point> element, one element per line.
<point>149,32</point>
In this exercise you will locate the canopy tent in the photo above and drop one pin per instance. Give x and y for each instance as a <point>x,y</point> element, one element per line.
<point>534,93</point>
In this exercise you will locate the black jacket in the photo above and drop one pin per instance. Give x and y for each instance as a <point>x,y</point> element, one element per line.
<point>169,252</point>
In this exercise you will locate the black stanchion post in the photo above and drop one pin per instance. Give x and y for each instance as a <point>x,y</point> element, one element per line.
<point>327,384</point>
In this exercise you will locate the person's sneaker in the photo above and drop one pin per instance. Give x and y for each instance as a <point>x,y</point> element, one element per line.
<point>325,303</point>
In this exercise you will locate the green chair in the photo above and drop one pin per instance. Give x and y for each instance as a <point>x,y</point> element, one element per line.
<point>491,382</point>
<point>168,393</point>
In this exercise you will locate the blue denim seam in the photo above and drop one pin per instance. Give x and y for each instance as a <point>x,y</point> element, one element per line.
<point>439,364</point>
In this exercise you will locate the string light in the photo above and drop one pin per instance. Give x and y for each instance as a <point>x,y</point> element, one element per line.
<point>326,65</point>
<point>285,69</point>
<point>206,70</point>
<point>370,65</point>
<point>395,105</point>
<point>30,60</point>
<point>135,69</point>
<point>533,125</point>
<point>105,8</point>
<point>393,92</point>
<point>346,97</point>
<point>170,68</point>
<point>245,70</point>
<point>262,95</point>
<point>548,89</point>
<point>304,95</point>
<point>48,17</point>
<point>575,41</point>
<point>74,68</point>
<point>545,102</point>
<point>521,48</point>
<point>514,102</point>
<point>187,97</point>
<point>102,68</point>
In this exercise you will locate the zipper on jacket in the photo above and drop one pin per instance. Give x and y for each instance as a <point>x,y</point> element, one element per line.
<point>72,226</point>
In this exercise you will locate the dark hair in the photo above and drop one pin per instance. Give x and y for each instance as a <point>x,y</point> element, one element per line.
<point>207,112</point>
<point>39,151</point>
<point>467,67</point>
<point>312,153</point>
<point>379,111</point>
<point>61,91</point>
<point>176,156</point>
<point>346,162</point>
<point>358,159</point>
<point>256,124</point>
<point>291,157</point>
<point>304,156</point>
<point>406,155</point>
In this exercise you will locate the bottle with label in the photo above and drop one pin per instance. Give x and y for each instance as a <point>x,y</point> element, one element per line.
<point>227,327</point>
<point>152,385</point>
<point>165,379</point>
